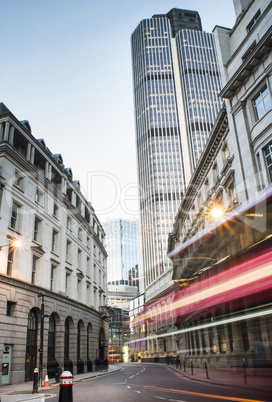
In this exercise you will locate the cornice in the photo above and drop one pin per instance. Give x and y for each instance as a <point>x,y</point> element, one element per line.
<point>249,64</point>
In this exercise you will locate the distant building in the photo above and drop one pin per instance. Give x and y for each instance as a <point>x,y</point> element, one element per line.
<point>123,248</point>
<point>176,85</point>
<point>60,267</point>
<point>119,335</point>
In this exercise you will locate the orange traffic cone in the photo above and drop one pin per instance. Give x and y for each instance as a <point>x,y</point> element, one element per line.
<point>46,381</point>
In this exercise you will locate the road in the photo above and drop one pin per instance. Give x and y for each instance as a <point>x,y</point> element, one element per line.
<point>148,383</point>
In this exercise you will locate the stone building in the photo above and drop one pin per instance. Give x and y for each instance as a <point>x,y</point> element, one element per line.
<point>221,240</point>
<point>54,286</point>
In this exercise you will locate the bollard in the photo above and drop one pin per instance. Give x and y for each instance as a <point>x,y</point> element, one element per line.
<point>206,368</point>
<point>66,387</point>
<point>192,368</point>
<point>35,381</point>
<point>244,367</point>
<point>184,366</point>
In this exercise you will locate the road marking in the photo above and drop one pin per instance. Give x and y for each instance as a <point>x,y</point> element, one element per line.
<point>138,392</point>
<point>50,396</point>
<point>176,391</point>
<point>132,376</point>
<point>128,387</point>
<point>176,400</point>
<point>159,397</point>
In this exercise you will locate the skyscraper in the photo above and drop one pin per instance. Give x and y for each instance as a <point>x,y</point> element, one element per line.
<point>122,239</point>
<point>176,86</point>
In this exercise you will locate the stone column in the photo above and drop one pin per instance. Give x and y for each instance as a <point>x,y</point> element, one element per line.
<point>28,151</point>
<point>46,171</point>
<point>11,135</point>
<point>6,132</point>
<point>32,155</point>
<point>50,172</point>
<point>1,131</point>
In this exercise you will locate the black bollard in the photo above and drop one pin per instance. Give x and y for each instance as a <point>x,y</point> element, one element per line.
<point>244,368</point>
<point>66,387</point>
<point>184,366</point>
<point>206,368</point>
<point>192,368</point>
<point>35,381</point>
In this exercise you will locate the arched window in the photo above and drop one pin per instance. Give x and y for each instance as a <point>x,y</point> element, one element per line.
<point>78,341</point>
<point>51,339</point>
<point>31,345</point>
<point>66,339</point>
<point>89,340</point>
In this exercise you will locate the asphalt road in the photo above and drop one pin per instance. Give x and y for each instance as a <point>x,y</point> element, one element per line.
<point>148,383</point>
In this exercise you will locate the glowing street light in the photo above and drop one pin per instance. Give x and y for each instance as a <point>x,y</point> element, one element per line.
<point>217,212</point>
<point>15,244</point>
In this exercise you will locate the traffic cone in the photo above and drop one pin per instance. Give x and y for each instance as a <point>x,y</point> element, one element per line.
<point>46,381</point>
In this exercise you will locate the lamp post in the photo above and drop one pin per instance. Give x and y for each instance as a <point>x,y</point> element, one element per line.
<point>41,339</point>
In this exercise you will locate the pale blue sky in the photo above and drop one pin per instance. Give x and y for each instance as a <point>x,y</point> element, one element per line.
<point>66,67</point>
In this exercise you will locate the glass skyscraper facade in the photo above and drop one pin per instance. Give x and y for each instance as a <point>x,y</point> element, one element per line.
<point>173,99</point>
<point>123,243</point>
<point>201,84</point>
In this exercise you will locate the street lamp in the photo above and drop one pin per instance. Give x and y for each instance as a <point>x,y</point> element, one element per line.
<point>15,244</point>
<point>41,337</point>
<point>217,212</point>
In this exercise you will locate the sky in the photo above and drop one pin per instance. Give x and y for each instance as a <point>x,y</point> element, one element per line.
<point>66,68</point>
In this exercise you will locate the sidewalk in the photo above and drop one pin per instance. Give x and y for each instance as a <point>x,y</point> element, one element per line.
<point>23,392</point>
<point>252,379</point>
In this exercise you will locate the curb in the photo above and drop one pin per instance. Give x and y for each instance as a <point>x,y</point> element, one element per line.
<point>219,384</point>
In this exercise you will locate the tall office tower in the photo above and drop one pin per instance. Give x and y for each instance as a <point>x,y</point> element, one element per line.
<point>123,245</point>
<point>176,83</point>
<point>201,83</point>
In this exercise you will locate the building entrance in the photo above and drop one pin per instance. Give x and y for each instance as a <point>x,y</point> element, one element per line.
<point>31,346</point>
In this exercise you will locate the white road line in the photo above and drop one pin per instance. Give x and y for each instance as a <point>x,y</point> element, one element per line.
<point>159,397</point>
<point>128,387</point>
<point>138,392</point>
<point>176,400</point>
<point>132,376</point>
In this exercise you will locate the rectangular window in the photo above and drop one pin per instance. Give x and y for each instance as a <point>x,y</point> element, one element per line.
<point>249,50</point>
<point>88,242</point>
<point>232,194</point>
<point>39,197</point>
<point>54,241</point>
<point>10,308</point>
<point>254,21</point>
<point>88,266</point>
<point>268,160</point>
<point>68,250</point>
<point>19,180</point>
<point>79,289</point>
<point>56,211</point>
<point>67,280</point>
<point>262,102</point>
<point>69,223</point>
<point>34,270</point>
<point>14,220</point>
<point>10,260</point>
<point>79,256</point>
<point>225,153</point>
<point>36,232</point>
<point>52,278</point>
